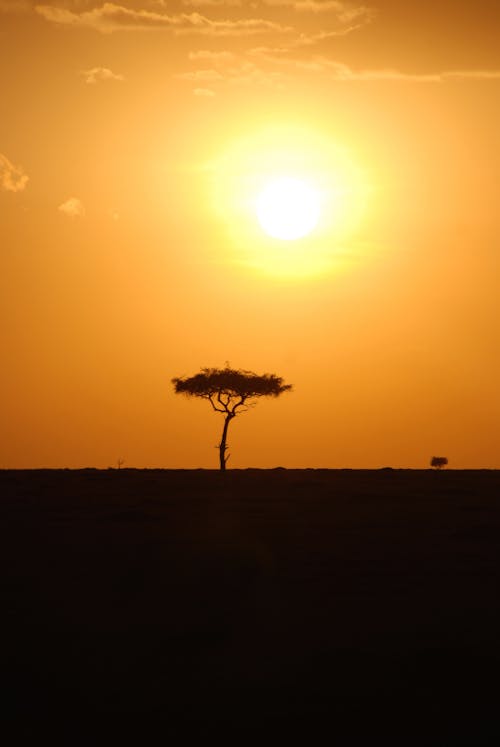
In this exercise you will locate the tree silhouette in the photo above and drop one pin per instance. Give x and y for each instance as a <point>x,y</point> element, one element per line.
<point>439,462</point>
<point>230,392</point>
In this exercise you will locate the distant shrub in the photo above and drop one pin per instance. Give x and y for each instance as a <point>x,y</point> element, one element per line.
<point>439,462</point>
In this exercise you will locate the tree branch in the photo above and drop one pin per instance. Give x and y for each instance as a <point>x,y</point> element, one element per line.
<point>217,409</point>
<point>240,403</point>
<point>224,404</point>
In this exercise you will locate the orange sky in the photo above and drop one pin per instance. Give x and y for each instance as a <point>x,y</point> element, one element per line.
<point>131,137</point>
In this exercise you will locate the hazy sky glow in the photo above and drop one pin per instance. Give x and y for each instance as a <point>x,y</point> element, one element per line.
<point>135,138</point>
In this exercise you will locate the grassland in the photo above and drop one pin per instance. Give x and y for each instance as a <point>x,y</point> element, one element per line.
<point>251,606</point>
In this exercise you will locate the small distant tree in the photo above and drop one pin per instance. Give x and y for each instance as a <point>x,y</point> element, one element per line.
<point>439,462</point>
<point>229,392</point>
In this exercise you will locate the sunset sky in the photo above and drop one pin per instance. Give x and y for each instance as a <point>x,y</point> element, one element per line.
<point>135,139</point>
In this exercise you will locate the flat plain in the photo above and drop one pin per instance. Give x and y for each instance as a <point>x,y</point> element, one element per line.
<point>255,605</point>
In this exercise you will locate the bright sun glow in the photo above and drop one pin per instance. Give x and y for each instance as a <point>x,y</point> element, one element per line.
<point>288,208</point>
<point>290,200</point>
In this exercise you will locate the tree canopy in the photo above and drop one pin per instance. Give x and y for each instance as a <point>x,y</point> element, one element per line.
<point>232,383</point>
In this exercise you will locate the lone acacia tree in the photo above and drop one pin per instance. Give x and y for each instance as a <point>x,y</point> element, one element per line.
<point>230,392</point>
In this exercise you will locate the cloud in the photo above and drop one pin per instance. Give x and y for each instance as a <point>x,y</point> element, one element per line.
<point>204,92</point>
<point>342,72</point>
<point>96,74</point>
<point>277,67</point>
<point>310,39</point>
<point>210,3</point>
<point>216,58</point>
<point>207,75</point>
<point>336,70</point>
<point>472,74</point>
<point>73,208</point>
<point>347,11</point>
<point>228,68</point>
<point>111,17</point>
<point>12,178</point>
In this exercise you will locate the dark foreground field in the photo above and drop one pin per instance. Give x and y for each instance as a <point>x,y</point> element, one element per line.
<point>256,606</point>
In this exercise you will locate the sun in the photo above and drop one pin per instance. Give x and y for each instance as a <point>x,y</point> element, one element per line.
<point>288,208</point>
<point>290,202</point>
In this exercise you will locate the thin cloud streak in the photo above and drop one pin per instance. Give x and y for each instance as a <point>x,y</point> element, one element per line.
<point>204,92</point>
<point>207,55</point>
<point>111,17</point>
<point>345,12</point>
<point>241,74</point>
<point>210,3</point>
<point>276,67</point>
<point>340,71</point>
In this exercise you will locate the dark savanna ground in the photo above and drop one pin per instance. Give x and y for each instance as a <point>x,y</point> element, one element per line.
<point>251,606</point>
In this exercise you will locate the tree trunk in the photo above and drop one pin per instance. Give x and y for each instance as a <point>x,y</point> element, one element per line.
<point>222,446</point>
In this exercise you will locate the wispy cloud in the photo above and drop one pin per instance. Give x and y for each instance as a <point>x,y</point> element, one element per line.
<point>225,67</point>
<point>310,39</point>
<point>345,12</point>
<point>96,74</point>
<point>472,74</point>
<point>210,3</point>
<point>242,74</point>
<point>265,66</point>
<point>278,67</point>
<point>347,17</point>
<point>215,58</point>
<point>12,178</point>
<point>204,75</point>
<point>110,17</point>
<point>204,92</point>
<point>334,69</point>
<point>340,71</point>
<point>73,208</point>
